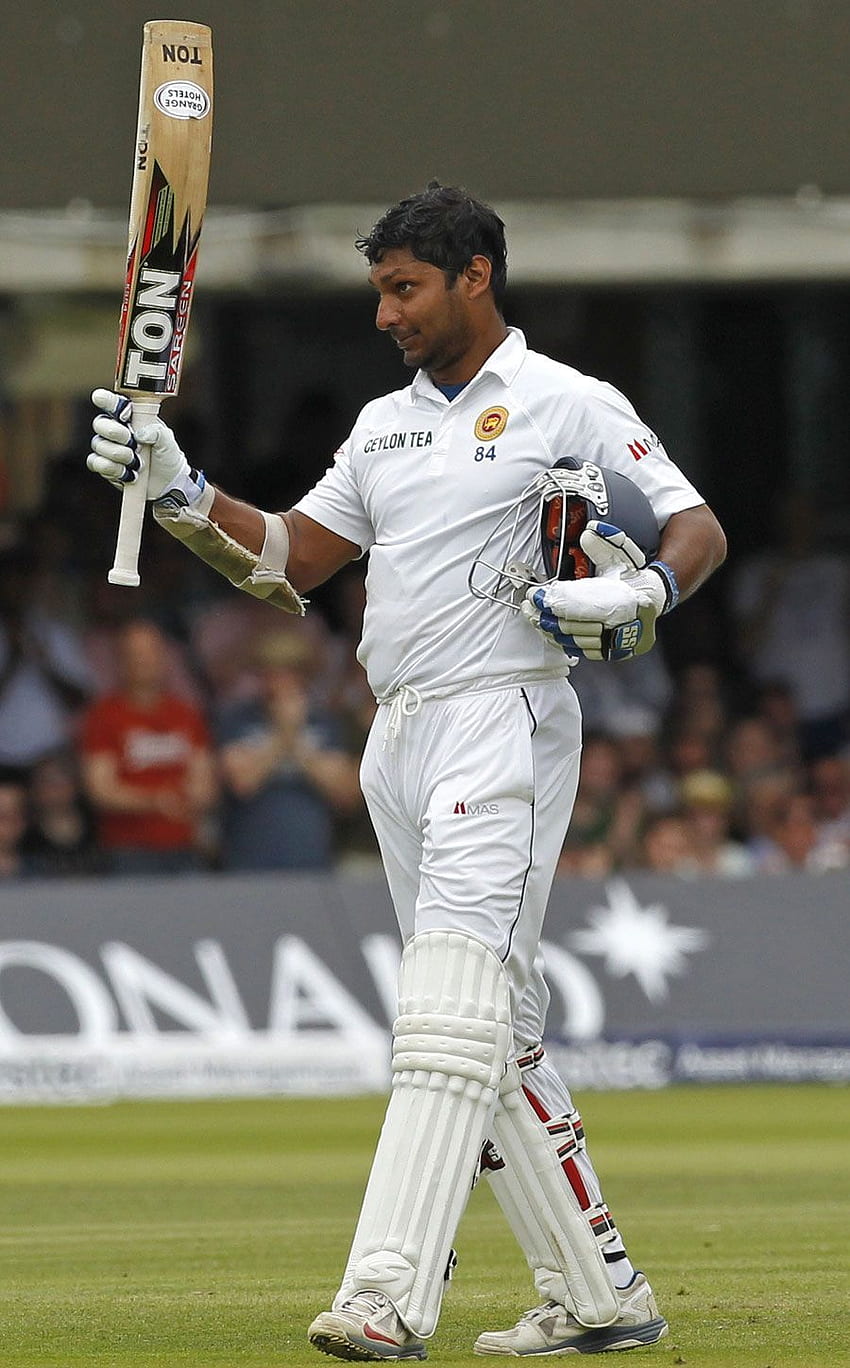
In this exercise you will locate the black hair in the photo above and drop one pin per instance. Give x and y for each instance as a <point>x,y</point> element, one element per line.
<point>445,226</point>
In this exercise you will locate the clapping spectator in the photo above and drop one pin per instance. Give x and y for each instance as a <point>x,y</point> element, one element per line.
<point>286,771</point>
<point>44,676</point>
<point>222,645</point>
<point>148,764</point>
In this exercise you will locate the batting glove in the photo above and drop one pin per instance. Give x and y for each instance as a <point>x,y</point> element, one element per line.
<point>117,453</point>
<point>610,616</point>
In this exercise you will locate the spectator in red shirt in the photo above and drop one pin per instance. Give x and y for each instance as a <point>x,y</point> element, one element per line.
<point>148,766</point>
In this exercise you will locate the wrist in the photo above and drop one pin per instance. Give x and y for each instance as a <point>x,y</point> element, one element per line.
<point>188,488</point>
<point>649,594</point>
<point>667,575</point>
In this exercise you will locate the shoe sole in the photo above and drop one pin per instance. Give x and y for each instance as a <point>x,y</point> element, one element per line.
<point>603,1341</point>
<point>338,1345</point>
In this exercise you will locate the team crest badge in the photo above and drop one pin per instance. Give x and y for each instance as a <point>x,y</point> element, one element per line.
<point>491,424</point>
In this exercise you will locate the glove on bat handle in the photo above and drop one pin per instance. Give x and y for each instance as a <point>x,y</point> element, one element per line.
<point>125,568</point>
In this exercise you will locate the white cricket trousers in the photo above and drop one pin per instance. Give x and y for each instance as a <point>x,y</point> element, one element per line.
<point>470,797</point>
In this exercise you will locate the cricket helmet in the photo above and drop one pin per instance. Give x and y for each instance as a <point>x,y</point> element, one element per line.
<point>539,537</point>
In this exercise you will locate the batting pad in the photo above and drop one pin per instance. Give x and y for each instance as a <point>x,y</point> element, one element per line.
<point>451,1040</point>
<point>543,1212</point>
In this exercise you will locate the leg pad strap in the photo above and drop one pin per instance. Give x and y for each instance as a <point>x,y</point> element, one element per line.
<point>560,1240</point>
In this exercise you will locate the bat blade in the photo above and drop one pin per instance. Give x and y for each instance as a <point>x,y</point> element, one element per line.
<point>167,206</point>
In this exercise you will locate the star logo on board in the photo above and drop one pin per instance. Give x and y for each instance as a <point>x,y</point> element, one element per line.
<point>637,940</point>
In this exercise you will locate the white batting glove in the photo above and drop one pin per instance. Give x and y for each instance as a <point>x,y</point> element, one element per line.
<point>610,616</point>
<point>612,551</point>
<point>116,455</point>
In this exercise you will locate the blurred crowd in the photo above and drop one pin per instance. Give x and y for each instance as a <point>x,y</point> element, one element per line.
<point>194,731</point>
<point>184,726</point>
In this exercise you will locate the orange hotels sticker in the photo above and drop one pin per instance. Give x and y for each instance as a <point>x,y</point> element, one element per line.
<point>491,424</point>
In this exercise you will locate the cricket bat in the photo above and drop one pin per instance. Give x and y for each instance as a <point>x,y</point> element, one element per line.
<point>167,205</point>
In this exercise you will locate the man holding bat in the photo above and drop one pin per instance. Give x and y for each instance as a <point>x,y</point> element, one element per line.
<point>471,767</point>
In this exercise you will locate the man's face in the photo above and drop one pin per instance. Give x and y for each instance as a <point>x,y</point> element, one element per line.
<point>425,313</point>
<point>142,657</point>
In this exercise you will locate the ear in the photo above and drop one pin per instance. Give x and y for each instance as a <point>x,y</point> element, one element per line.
<point>477,276</point>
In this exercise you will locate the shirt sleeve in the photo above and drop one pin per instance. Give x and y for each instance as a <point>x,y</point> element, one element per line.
<point>613,435</point>
<point>335,501</point>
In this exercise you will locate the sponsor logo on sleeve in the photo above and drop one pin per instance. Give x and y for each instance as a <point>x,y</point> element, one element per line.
<point>643,445</point>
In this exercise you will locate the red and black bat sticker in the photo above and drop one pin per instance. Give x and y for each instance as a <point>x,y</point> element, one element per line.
<point>157,298</point>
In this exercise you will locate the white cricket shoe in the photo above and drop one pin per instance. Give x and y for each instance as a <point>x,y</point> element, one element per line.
<point>366,1328</point>
<point>549,1329</point>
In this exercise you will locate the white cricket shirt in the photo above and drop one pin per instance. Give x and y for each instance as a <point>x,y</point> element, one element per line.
<point>421,483</point>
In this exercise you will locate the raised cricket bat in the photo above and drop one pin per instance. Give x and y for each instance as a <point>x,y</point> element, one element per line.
<point>169,197</point>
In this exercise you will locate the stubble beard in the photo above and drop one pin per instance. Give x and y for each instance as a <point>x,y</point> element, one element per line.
<point>445,353</point>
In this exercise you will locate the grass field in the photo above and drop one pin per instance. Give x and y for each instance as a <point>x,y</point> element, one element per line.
<point>203,1234</point>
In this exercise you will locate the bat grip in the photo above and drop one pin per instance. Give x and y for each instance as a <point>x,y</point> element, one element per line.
<point>125,567</point>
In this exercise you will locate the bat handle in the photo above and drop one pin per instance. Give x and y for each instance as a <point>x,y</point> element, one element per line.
<point>125,568</point>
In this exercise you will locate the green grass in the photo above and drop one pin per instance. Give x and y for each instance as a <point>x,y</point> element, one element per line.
<point>210,1233</point>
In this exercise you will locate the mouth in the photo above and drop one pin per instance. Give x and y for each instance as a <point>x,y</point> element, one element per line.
<point>404,342</point>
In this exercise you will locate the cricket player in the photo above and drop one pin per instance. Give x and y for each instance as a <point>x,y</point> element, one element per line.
<point>472,764</point>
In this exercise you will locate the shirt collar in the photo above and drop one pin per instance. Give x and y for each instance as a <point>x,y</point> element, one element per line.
<point>504,362</point>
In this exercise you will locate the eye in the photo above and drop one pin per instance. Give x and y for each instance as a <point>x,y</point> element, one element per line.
<point>404,286</point>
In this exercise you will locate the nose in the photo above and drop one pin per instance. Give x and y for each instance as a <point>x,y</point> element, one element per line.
<point>387,314</point>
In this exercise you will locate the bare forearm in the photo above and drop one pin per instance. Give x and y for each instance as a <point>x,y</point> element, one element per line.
<point>694,544</point>
<point>241,521</point>
<point>315,552</point>
<point>333,773</point>
<point>201,782</point>
<point>111,795</point>
<point>247,768</point>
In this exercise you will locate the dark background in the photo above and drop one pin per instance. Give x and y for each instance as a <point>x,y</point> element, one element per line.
<point>342,100</point>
